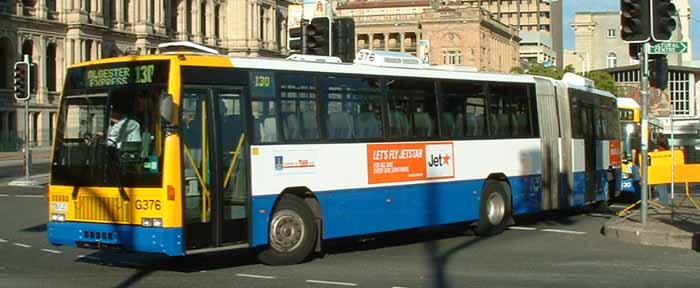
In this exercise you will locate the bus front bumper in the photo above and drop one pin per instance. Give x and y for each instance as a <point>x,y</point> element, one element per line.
<point>168,241</point>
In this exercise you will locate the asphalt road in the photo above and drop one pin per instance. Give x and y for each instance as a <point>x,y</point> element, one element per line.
<point>543,251</point>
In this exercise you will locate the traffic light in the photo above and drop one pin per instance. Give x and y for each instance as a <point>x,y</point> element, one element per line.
<point>658,72</point>
<point>21,90</point>
<point>344,39</point>
<point>634,49</point>
<point>317,36</point>
<point>662,20</point>
<point>635,20</point>
<point>296,35</point>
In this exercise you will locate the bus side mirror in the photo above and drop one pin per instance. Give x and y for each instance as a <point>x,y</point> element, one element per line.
<point>166,107</point>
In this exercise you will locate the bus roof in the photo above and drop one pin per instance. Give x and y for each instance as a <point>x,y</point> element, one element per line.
<point>353,68</point>
<point>624,102</point>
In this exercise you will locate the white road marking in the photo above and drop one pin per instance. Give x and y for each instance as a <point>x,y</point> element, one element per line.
<point>3,241</point>
<point>598,215</point>
<point>255,276</point>
<point>331,283</point>
<point>88,257</point>
<point>563,231</point>
<point>4,195</point>
<point>29,196</point>
<point>51,251</point>
<point>22,245</point>
<point>522,228</point>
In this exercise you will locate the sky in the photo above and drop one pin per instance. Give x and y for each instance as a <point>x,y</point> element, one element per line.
<point>573,6</point>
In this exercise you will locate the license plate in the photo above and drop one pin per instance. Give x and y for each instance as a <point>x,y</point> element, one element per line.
<point>59,206</point>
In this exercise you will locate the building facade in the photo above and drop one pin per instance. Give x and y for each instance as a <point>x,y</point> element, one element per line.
<point>58,33</point>
<point>538,21</point>
<point>466,36</point>
<point>599,44</point>
<point>679,101</point>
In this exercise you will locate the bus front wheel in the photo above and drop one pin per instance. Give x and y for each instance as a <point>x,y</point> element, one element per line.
<point>292,233</point>
<point>495,208</point>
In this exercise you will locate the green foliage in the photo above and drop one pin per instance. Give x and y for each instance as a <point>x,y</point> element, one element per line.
<point>604,81</point>
<point>540,70</point>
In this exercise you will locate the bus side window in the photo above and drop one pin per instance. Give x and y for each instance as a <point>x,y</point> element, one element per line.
<point>299,113</point>
<point>264,121</point>
<point>412,108</point>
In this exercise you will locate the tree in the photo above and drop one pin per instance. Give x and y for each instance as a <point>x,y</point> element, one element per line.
<point>604,81</point>
<point>541,70</point>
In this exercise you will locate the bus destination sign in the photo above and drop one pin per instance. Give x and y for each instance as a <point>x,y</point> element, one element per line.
<point>118,76</point>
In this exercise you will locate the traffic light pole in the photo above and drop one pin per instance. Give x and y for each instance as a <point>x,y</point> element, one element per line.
<point>304,23</point>
<point>644,90</point>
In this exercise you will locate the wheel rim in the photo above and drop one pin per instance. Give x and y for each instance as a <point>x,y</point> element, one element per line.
<point>496,208</point>
<point>286,231</point>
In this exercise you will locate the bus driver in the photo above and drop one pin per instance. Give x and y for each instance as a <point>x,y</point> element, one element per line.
<point>123,128</point>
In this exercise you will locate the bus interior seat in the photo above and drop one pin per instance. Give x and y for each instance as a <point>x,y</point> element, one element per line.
<point>423,124</point>
<point>268,131</point>
<point>398,124</point>
<point>340,125</point>
<point>504,126</point>
<point>310,130</point>
<point>447,124</point>
<point>472,125</point>
<point>292,127</point>
<point>459,125</point>
<point>368,126</point>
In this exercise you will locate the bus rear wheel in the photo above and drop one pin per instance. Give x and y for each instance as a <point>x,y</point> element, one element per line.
<point>292,233</point>
<point>495,209</point>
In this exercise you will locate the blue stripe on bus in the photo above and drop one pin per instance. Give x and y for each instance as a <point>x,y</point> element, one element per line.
<point>379,209</point>
<point>579,189</point>
<point>135,238</point>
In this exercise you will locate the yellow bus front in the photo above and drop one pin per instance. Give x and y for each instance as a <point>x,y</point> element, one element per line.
<point>112,184</point>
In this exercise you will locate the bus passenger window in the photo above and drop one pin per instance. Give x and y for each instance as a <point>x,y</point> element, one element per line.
<point>299,113</point>
<point>353,107</point>
<point>264,121</point>
<point>412,111</point>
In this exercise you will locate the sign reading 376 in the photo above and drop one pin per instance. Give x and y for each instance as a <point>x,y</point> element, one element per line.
<point>669,48</point>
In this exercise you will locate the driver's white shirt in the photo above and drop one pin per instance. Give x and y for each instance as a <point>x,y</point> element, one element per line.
<point>118,134</point>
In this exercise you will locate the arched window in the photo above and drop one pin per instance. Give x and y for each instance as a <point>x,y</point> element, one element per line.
<point>612,60</point>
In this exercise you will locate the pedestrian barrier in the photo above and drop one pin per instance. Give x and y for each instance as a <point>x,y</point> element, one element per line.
<point>685,172</point>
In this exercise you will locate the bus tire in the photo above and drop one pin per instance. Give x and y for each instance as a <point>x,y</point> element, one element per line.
<point>495,209</point>
<point>292,233</point>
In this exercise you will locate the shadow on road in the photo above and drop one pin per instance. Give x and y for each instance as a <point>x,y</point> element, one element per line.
<point>37,228</point>
<point>437,252</point>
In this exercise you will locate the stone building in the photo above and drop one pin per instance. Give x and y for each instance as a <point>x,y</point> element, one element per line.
<point>59,33</point>
<point>538,21</point>
<point>466,36</point>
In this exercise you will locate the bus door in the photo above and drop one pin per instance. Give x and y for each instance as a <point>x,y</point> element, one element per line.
<point>214,145</point>
<point>588,130</point>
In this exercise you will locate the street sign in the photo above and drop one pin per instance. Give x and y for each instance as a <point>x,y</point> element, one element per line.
<point>669,48</point>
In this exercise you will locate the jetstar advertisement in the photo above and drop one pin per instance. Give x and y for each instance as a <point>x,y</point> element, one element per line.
<point>402,162</point>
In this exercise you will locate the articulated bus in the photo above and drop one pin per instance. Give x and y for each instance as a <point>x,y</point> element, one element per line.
<point>279,155</point>
<point>631,135</point>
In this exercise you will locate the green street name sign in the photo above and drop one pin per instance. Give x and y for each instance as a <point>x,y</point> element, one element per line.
<point>669,48</point>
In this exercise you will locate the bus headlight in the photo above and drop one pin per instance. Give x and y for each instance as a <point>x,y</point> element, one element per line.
<point>152,222</point>
<point>58,217</point>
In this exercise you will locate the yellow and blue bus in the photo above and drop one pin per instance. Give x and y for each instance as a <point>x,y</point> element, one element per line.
<point>279,155</point>
<point>631,135</point>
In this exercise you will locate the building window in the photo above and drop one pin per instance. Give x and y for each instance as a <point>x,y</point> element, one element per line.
<point>612,60</point>
<point>452,57</point>
<point>611,33</point>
